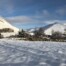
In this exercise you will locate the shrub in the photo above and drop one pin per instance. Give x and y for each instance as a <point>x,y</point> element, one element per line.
<point>6,30</point>
<point>22,34</point>
<point>1,36</point>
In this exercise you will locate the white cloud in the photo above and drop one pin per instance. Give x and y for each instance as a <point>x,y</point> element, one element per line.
<point>6,7</point>
<point>46,13</point>
<point>27,19</point>
<point>53,21</point>
<point>61,11</point>
<point>64,23</point>
<point>21,19</point>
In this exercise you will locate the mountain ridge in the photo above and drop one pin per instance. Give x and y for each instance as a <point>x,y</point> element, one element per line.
<point>56,26</point>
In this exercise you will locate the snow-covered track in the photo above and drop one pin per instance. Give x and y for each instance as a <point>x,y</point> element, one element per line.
<point>28,53</point>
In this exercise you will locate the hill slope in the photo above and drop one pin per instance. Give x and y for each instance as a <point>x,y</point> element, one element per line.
<point>5,24</point>
<point>54,27</point>
<point>51,27</point>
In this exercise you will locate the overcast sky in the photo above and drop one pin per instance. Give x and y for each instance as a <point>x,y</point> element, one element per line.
<point>33,13</point>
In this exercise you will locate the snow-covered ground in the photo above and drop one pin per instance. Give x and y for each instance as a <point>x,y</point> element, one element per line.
<point>28,53</point>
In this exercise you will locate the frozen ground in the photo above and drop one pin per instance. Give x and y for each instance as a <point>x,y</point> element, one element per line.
<point>25,53</point>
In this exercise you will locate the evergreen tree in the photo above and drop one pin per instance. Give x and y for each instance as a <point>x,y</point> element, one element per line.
<point>22,33</point>
<point>39,33</point>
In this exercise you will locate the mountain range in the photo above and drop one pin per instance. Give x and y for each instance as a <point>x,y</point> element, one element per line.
<point>49,28</point>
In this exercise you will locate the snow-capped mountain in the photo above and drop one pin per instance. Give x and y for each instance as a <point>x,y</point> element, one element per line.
<point>5,24</point>
<point>51,27</point>
<point>31,31</point>
<point>54,27</point>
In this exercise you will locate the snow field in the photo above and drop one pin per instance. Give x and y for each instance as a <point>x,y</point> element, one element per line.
<point>28,53</point>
